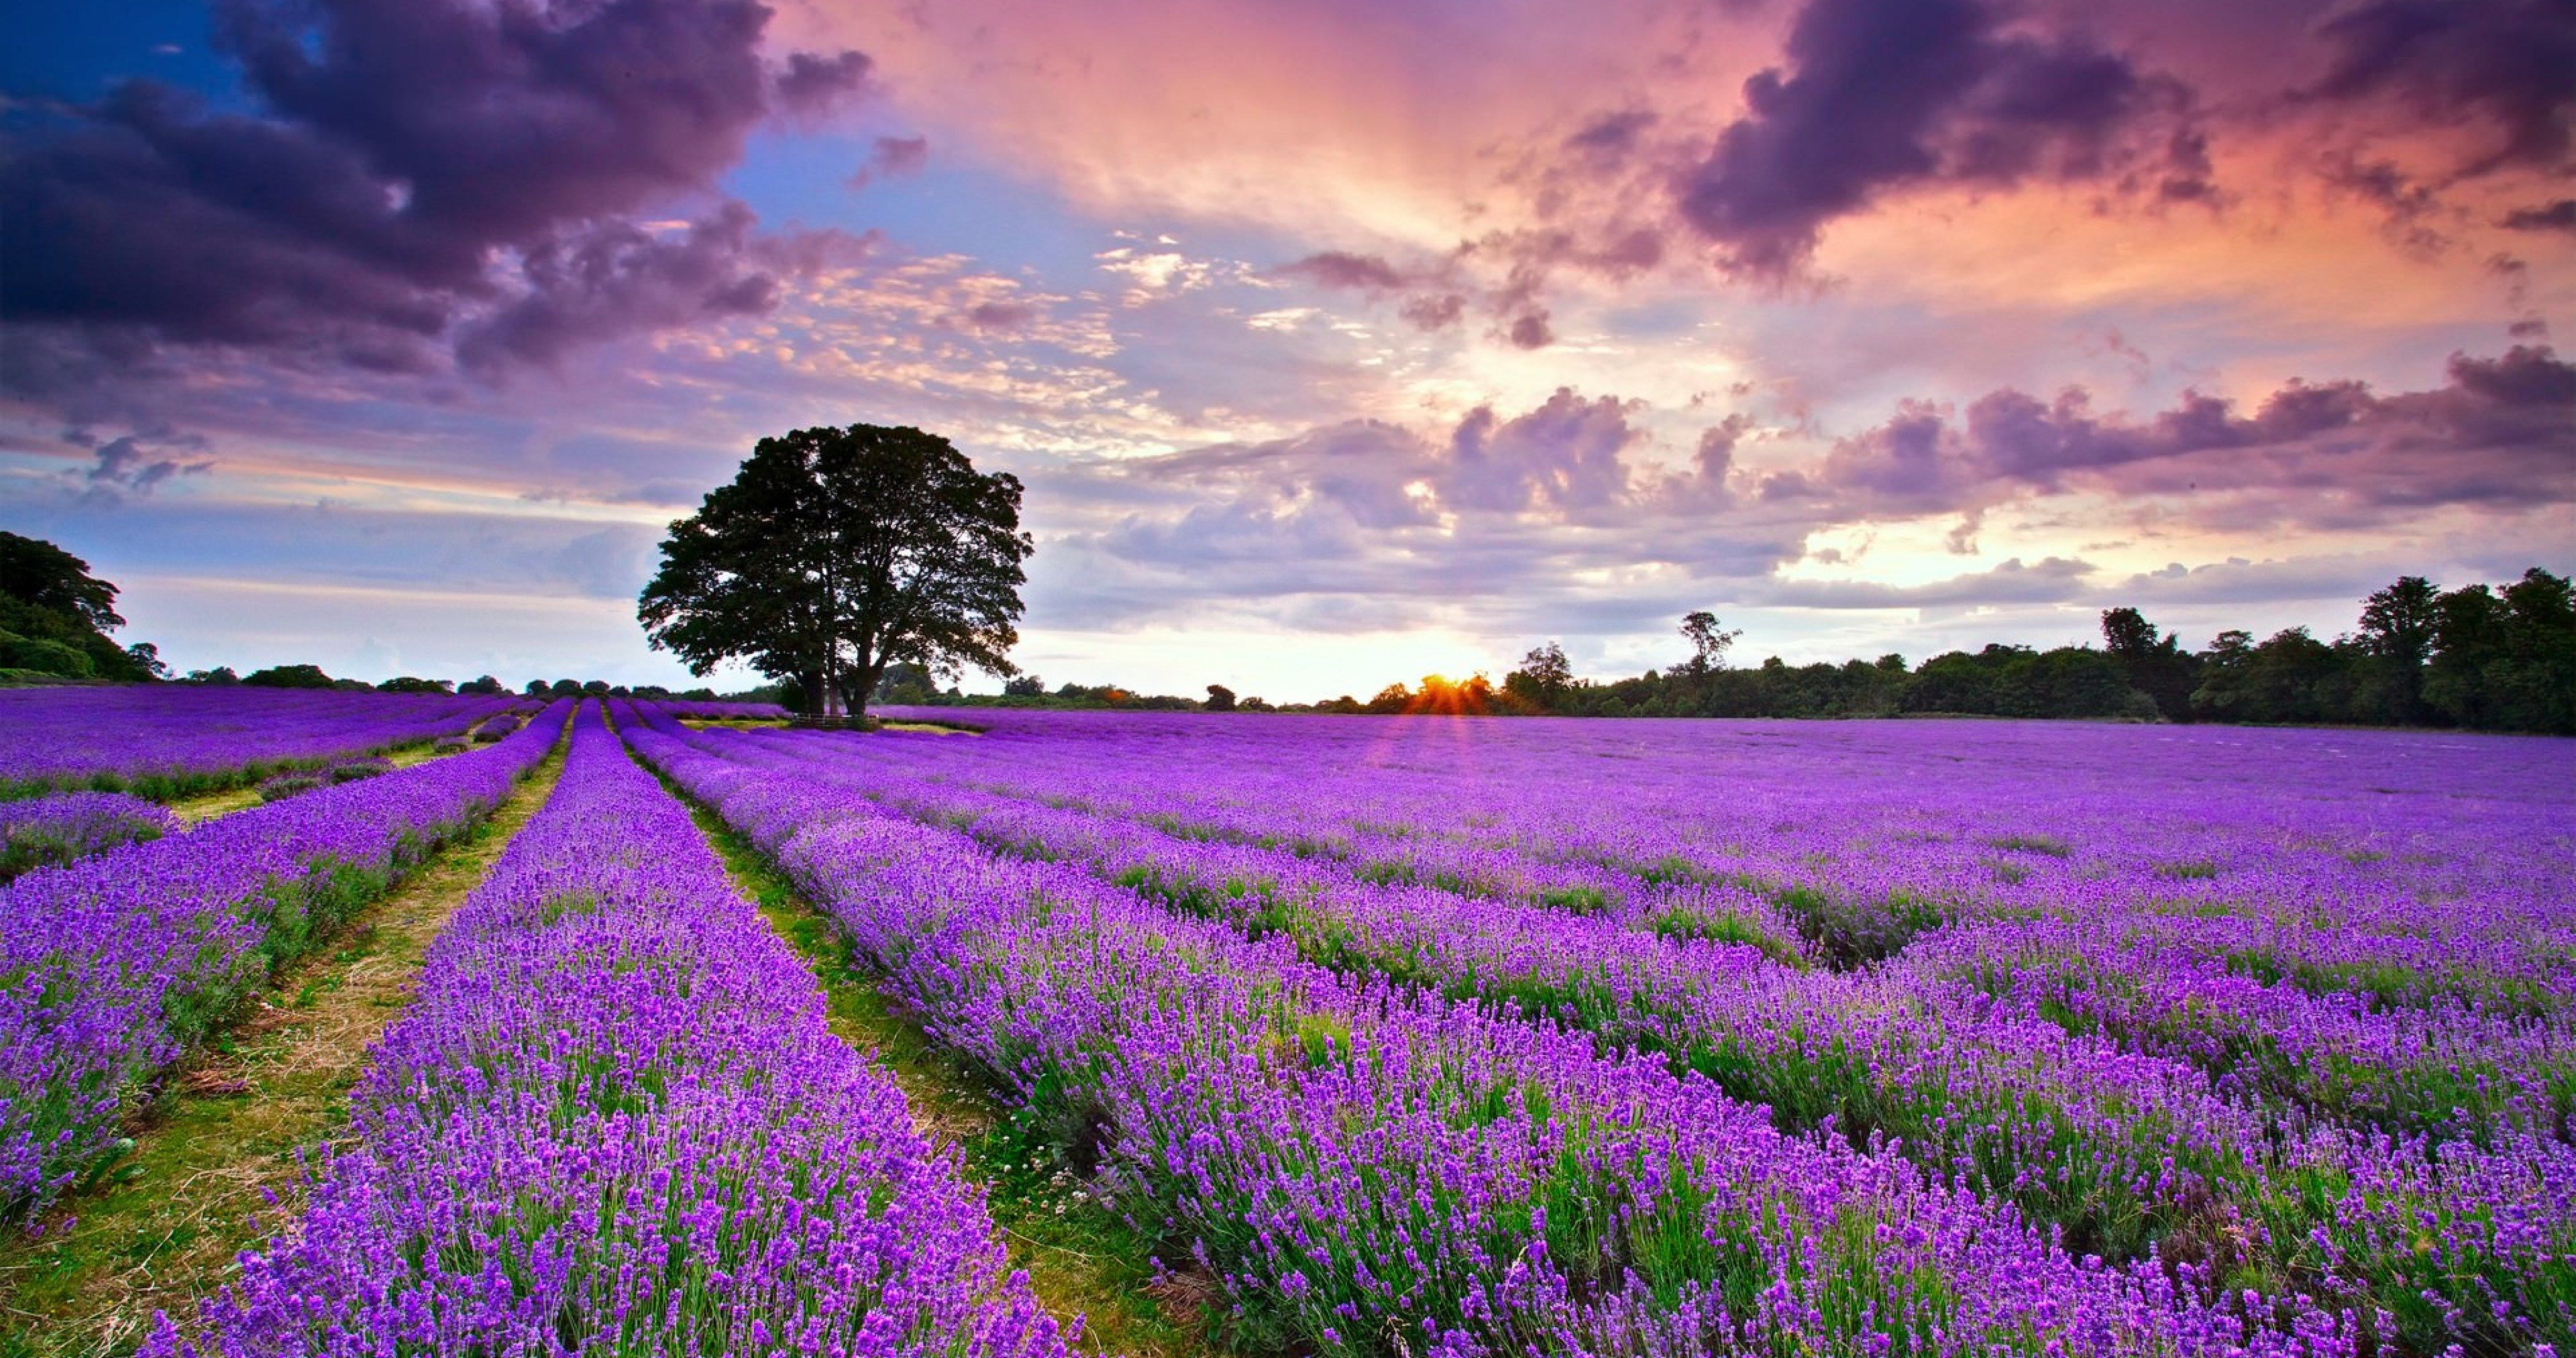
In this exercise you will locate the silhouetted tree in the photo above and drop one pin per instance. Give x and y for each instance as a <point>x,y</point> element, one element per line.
<point>1543,678</point>
<point>1220,698</point>
<point>289,676</point>
<point>55,616</point>
<point>1708,642</point>
<point>835,553</point>
<point>2398,628</point>
<point>2153,664</point>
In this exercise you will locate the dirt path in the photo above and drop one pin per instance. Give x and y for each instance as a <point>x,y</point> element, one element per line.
<point>1080,1258</point>
<point>273,1089</point>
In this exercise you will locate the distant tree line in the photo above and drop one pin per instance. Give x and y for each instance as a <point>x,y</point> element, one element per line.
<point>55,617</point>
<point>2475,657</point>
<point>312,676</point>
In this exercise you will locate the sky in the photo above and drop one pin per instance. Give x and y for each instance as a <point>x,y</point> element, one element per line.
<point>1337,343</point>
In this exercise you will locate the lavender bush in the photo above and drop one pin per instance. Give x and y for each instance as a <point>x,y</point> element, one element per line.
<point>166,740</point>
<point>2295,1034</point>
<point>616,1121</point>
<point>111,967</point>
<point>69,826</point>
<point>1362,1166</point>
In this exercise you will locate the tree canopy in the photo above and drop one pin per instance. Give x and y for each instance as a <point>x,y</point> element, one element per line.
<point>55,616</point>
<point>834,553</point>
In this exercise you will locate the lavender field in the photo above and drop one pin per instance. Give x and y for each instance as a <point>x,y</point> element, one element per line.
<point>169,741</point>
<point>1581,1037</point>
<point>1386,1036</point>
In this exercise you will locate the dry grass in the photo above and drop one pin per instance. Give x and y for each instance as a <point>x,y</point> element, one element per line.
<point>237,1125</point>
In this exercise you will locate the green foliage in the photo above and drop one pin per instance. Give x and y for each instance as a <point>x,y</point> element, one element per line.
<point>2476,657</point>
<point>43,655</point>
<point>55,616</point>
<point>40,575</point>
<point>835,553</point>
<point>289,676</point>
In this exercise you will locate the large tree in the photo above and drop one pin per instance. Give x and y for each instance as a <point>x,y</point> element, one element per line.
<point>55,616</point>
<point>2153,661</point>
<point>1708,642</point>
<point>837,552</point>
<point>2398,628</point>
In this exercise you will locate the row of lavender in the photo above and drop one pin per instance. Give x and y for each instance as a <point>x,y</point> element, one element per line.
<point>617,1121</point>
<point>2406,1043</point>
<point>1370,1168</point>
<point>2409,963</point>
<point>113,966</point>
<point>2413,1158</point>
<point>2409,866</point>
<point>167,740</point>
<point>69,826</point>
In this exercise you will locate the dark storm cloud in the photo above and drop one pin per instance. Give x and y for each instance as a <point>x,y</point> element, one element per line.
<point>2558,216</point>
<point>617,278</point>
<point>2500,432</point>
<point>423,172</point>
<point>2506,66</point>
<point>815,84</point>
<point>1881,94</point>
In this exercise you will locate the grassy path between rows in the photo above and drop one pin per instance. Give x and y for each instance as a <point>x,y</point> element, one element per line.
<point>208,805</point>
<point>1081,1259</point>
<point>245,1116</point>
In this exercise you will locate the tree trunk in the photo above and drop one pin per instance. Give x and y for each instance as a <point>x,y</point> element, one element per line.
<point>864,690</point>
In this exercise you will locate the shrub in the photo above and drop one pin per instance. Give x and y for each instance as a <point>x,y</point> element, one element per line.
<point>351,770</point>
<point>43,656</point>
<point>289,676</point>
<point>279,787</point>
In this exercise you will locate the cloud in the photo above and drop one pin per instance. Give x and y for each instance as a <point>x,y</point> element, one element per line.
<point>618,278</point>
<point>2501,432</point>
<point>1569,453</point>
<point>2557,216</point>
<point>129,463</point>
<point>812,85</point>
<point>2050,580</point>
<point>2505,67</point>
<point>1343,269</point>
<point>893,157</point>
<point>422,173</point>
<point>1880,95</point>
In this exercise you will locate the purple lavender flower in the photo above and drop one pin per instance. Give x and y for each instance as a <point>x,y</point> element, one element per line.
<point>616,1120</point>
